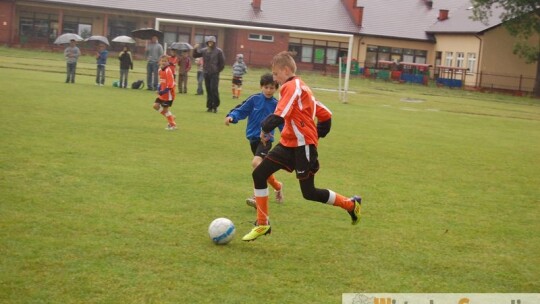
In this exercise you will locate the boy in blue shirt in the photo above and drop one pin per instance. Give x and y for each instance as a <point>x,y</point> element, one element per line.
<point>256,108</point>
<point>101,60</point>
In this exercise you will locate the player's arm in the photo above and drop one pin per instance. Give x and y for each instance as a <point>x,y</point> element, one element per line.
<point>271,122</point>
<point>324,119</point>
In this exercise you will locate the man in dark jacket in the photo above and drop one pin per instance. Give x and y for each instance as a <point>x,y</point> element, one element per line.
<point>214,62</point>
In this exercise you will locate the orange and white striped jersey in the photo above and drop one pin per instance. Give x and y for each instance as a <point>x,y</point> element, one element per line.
<point>299,108</point>
<point>166,80</point>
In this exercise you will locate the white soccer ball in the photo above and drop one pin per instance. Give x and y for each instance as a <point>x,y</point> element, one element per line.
<point>221,231</point>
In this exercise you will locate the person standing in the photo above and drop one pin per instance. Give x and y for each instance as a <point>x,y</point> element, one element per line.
<point>71,53</point>
<point>184,66</point>
<point>153,52</point>
<point>126,63</point>
<point>214,62</point>
<point>101,60</point>
<point>200,75</point>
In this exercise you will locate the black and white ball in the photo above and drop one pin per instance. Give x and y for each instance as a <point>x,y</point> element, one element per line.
<point>221,231</point>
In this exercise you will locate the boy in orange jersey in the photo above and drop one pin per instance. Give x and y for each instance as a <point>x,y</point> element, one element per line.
<point>165,92</point>
<point>297,147</point>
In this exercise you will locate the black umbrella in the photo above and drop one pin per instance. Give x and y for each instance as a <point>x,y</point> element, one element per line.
<point>181,46</point>
<point>147,33</point>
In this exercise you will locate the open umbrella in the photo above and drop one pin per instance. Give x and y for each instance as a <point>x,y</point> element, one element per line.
<point>123,39</point>
<point>101,39</point>
<point>181,46</point>
<point>66,38</point>
<point>147,33</point>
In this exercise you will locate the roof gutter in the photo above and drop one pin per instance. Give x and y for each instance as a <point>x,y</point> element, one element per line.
<point>478,81</point>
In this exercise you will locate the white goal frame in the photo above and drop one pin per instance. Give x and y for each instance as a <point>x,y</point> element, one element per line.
<point>342,93</point>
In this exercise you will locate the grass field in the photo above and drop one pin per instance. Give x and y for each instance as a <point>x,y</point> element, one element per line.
<point>99,204</point>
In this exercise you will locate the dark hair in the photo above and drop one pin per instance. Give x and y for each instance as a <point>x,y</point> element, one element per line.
<point>267,79</point>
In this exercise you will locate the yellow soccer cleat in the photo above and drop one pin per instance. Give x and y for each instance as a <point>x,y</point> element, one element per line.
<point>355,213</point>
<point>256,232</point>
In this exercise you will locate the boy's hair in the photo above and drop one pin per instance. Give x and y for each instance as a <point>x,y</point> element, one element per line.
<point>164,56</point>
<point>267,79</point>
<point>284,59</point>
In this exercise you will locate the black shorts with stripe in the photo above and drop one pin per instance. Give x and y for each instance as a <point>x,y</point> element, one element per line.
<point>237,80</point>
<point>304,159</point>
<point>258,149</point>
<point>164,103</point>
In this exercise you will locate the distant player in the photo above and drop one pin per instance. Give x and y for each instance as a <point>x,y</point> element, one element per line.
<point>165,90</point>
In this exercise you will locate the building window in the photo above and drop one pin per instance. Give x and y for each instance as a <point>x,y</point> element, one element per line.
<point>460,59</point>
<point>38,25</point>
<point>121,28</point>
<point>331,55</point>
<point>376,53</point>
<point>471,62</point>
<point>307,54</point>
<point>449,59</point>
<point>78,25</point>
<point>261,37</point>
<point>317,51</point>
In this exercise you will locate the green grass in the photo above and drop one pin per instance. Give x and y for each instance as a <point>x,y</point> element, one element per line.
<point>99,204</point>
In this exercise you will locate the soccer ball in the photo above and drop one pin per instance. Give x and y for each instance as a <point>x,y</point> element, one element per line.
<point>221,231</point>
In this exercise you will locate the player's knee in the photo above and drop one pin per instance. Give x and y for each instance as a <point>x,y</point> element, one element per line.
<point>309,194</point>
<point>256,161</point>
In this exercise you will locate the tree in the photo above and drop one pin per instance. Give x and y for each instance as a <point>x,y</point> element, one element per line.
<point>522,20</point>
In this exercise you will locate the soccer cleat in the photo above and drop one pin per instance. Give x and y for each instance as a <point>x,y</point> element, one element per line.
<point>279,194</point>
<point>250,201</point>
<point>256,232</point>
<point>355,213</point>
<point>170,128</point>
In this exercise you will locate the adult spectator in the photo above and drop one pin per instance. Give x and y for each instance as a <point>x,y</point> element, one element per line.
<point>214,62</point>
<point>153,52</point>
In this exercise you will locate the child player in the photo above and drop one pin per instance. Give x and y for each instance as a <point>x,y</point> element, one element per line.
<point>256,108</point>
<point>165,92</point>
<point>297,147</point>
<point>239,69</point>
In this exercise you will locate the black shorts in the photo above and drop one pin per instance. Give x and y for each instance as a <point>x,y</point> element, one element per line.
<point>164,103</point>
<point>237,80</point>
<point>304,159</point>
<point>258,149</point>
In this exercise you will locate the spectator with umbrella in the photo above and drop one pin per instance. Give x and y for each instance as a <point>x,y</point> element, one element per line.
<point>71,53</point>
<point>126,63</point>
<point>101,60</point>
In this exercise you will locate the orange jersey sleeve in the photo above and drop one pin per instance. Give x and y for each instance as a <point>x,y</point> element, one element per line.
<point>299,108</point>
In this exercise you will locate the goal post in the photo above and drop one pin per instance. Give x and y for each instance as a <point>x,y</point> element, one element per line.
<point>342,93</point>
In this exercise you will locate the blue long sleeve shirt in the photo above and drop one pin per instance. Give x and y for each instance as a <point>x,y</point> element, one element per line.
<point>102,58</point>
<point>255,108</point>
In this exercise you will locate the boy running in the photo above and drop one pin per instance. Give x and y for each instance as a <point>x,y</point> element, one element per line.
<point>165,91</point>
<point>297,148</point>
<point>256,108</point>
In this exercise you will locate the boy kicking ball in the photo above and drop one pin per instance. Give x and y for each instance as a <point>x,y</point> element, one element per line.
<point>297,148</point>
